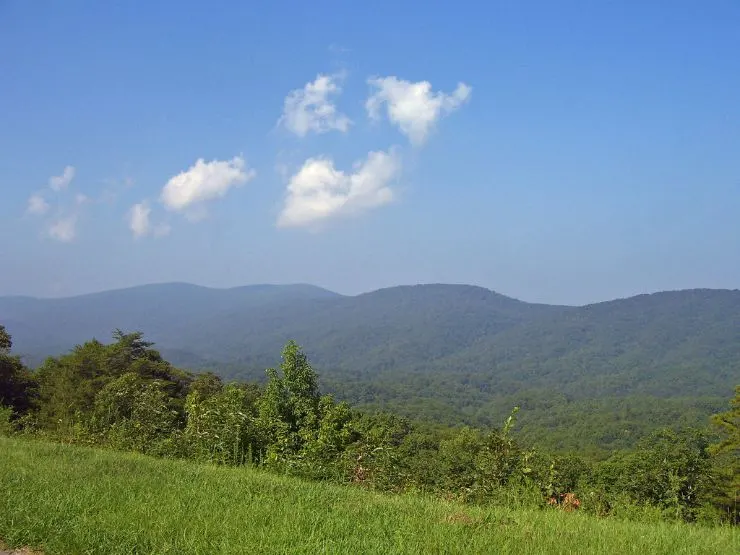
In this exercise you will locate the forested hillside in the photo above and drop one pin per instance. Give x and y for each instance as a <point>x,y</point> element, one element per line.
<point>604,373</point>
<point>125,396</point>
<point>174,314</point>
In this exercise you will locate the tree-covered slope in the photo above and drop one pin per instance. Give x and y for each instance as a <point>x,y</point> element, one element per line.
<point>168,313</point>
<point>445,352</point>
<point>391,329</point>
<point>665,344</point>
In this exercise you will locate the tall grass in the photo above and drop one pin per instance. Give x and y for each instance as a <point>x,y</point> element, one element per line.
<point>67,500</point>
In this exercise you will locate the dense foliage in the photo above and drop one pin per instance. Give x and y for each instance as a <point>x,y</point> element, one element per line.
<point>596,378</point>
<point>126,396</point>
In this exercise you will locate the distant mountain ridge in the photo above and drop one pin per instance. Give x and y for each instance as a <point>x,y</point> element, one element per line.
<point>455,352</point>
<point>184,287</point>
<point>52,326</point>
<point>422,323</point>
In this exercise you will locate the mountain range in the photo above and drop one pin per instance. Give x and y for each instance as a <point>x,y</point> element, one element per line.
<point>455,352</point>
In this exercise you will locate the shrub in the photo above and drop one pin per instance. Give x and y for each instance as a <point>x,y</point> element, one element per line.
<point>6,426</point>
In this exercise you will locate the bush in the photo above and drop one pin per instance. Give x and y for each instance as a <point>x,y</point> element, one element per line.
<point>132,413</point>
<point>221,427</point>
<point>6,425</point>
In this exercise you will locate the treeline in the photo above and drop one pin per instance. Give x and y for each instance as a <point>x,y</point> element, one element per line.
<point>550,419</point>
<point>124,395</point>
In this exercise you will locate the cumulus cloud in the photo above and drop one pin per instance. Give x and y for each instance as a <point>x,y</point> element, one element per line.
<point>413,107</point>
<point>310,108</point>
<point>64,228</point>
<point>61,182</point>
<point>37,205</point>
<point>319,191</point>
<point>139,218</point>
<point>204,181</point>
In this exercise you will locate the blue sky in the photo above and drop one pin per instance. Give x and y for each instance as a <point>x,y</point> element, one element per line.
<point>563,152</point>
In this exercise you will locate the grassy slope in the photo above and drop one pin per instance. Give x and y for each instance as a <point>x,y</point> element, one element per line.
<point>71,500</point>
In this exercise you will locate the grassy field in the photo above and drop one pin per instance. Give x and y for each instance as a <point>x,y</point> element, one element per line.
<point>68,500</point>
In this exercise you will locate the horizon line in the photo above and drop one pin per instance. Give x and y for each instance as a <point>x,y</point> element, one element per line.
<point>305,284</point>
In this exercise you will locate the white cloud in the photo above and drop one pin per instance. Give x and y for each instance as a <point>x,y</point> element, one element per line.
<point>310,109</point>
<point>140,221</point>
<point>37,205</point>
<point>414,107</point>
<point>319,191</point>
<point>63,225</point>
<point>205,181</point>
<point>61,182</point>
<point>64,229</point>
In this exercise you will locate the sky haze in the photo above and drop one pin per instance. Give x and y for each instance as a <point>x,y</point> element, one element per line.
<point>563,152</point>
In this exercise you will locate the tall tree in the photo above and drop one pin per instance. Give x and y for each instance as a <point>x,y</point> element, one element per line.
<point>17,387</point>
<point>69,384</point>
<point>6,343</point>
<point>289,407</point>
<point>727,459</point>
<point>729,425</point>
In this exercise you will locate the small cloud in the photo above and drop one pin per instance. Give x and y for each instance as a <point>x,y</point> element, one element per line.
<point>140,222</point>
<point>64,229</point>
<point>413,107</point>
<point>139,219</point>
<point>61,182</point>
<point>310,108</point>
<point>204,181</point>
<point>318,191</point>
<point>63,226</point>
<point>37,205</point>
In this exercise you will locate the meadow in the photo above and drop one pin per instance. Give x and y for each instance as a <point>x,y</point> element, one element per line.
<point>63,499</point>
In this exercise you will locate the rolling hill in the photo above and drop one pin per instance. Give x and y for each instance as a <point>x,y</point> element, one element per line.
<point>167,313</point>
<point>444,352</point>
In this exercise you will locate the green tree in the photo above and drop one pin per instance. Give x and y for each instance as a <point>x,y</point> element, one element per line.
<point>17,386</point>
<point>377,458</point>
<point>325,443</point>
<point>670,470</point>
<point>68,386</point>
<point>458,461</point>
<point>6,343</point>
<point>133,413</point>
<point>221,425</point>
<point>289,407</point>
<point>131,353</point>
<point>728,424</point>
<point>727,460</point>
<point>500,461</point>
<point>127,348</point>
<point>206,384</point>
